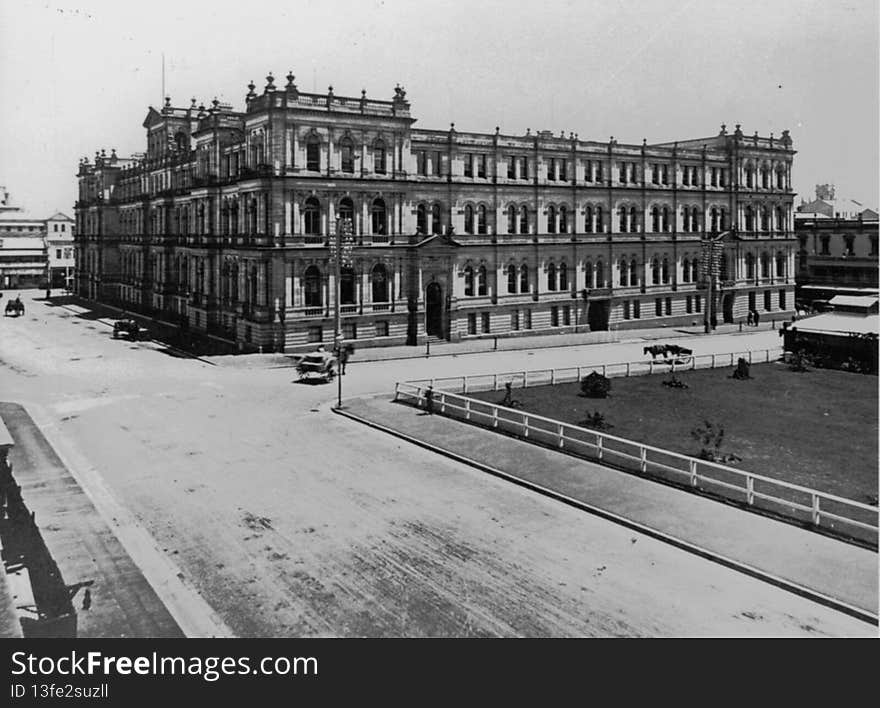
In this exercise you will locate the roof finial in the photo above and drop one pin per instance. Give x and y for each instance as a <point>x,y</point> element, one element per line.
<point>270,82</point>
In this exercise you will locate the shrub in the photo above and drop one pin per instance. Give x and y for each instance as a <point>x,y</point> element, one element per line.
<point>596,421</point>
<point>742,370</point>
<point>596,386</point>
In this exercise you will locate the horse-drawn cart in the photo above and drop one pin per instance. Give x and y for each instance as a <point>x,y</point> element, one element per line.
<point>129,329</point>
<point>14,308</point>
<point>318,364</point>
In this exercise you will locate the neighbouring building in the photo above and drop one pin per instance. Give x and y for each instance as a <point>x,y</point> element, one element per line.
<point>34,250</point>
<point>60,250</point>
<point>837,251</point>
<point>225,225</point>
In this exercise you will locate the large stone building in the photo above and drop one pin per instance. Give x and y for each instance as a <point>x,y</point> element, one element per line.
<point>837,250</point>
<point>225,224</point>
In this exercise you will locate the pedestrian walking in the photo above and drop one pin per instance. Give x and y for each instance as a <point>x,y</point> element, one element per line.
<point>344,355</point>
<point>757,318</point>
<point>749,318</point>
<point>429,400</point>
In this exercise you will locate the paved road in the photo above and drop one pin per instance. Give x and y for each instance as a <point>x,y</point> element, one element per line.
<point>290,521</point>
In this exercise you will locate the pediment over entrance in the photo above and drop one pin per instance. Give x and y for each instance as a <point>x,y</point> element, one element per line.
<point>437,241</point>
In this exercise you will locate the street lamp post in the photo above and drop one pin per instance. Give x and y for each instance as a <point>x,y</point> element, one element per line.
<point>711,258</point>
<point>342,245</point>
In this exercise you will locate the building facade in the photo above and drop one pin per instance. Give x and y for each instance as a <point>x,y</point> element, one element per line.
<point>60,250</point>
<point>225,225</point>
<point>837,247</point>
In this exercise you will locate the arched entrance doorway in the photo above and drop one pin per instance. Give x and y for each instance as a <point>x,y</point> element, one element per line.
<point>434,310</point>
<point>727,307</point>
<point>597,315</point>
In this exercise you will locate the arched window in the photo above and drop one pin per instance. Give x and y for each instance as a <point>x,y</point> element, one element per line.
<point>665,222</point>
<point>633,220</point>
<point>685,271</point>
<point>563,276</point>
<point>664,271</point>
<point>723,219</point>
<point>468,219</point>
<point>765,219</point>
<point>714,219</point>
<point>780,219</point>
<point>750,266</point>
<point>600,275</point>
<point>346,155</point>
<point>765,265</point>
<point>379,217</point>
<point>621,219</point>
<point>588,220</point>
<point>422,219</point>
<point>551,219</point>
<point>524,219</point>
<point>468,281</point>
<point>695,219</point>
<point>436,225</point>
<point>524,278</point>
<point>724,269</point>
<point>624,273</point>
<point>750,218</point>
<point>551,276</point>
<point>346,210</point>
<point>685,219</point>
<point>633,273</point>
<point>482,226</point>
<point>655,272</point>
<point>379,158</point>
<point>563,220</point>
<point>780,178</point>
<point>379,278</point>
<point>765,177</point>
<point>312,217</point>
<point>482,288</point>
<point>588,272</point>
<point>780,265</point>
<point>694,270</point>
<point>511,219</point>
<point>313,153</point>
<point>511,279</point>
<point>750,176</point>
<point>655,219</point>
<point>600,220</point>
<point>347,286</point>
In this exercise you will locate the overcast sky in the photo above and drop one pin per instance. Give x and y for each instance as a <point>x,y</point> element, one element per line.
<point>79,75</point>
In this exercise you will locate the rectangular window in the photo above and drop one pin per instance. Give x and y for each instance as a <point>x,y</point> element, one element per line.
<point>382,328</point>
<point>551,169</point>
<point>637,309</point>
<point>487,323</point>
<point>626,314</point>
<point>588,171</point>
<point>554,316</point>
<point>685,176</point>
<point>825,241</point>
<point>622,173</point>
<point>55,227</point>
<point>511,167</point>
<point>669,306</point>
<point>436,164</point>
<point>349,330</point>
<point>422,163</point>
<point>472,323</point>
<point>481,166</point>
<point>514,320</point>
<point>58,253</point>
<point>688,304</point>
<point>563,170</point>
<point>524,174</point>
<point>782,299</point>
<point>768,300</point>
<point>469,165</point>
<point>527,320</point>
<point>316,333</point>
<point>697,303</point>
<point>599,172</point>
<point>566,315</point>
<point>658,306</point>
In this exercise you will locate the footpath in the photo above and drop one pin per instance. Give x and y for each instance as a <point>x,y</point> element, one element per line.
<point>121,603</point>
<point>829,571</point>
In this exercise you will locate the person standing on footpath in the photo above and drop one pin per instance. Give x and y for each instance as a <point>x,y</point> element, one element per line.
<point>429,400</point>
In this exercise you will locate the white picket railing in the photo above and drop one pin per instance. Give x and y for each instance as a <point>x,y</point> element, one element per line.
<point>802,503</point>
<point>573,374</point>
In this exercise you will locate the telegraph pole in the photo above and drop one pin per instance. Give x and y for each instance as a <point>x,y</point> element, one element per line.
<point>342,245</point>
<point>712,248</point>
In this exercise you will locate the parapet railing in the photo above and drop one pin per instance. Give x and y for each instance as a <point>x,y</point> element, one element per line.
<point>820,510</point>
<point>573,374</point>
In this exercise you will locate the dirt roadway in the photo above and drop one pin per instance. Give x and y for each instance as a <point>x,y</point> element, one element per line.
<point>290,521</point>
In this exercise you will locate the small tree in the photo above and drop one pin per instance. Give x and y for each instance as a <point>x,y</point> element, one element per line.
<point>596,386</point>
<point>799,361</point>
<point>711,437</point>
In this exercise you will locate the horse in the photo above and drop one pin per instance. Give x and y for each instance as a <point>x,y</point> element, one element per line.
<point>677,351</point>
<point>656,349</point>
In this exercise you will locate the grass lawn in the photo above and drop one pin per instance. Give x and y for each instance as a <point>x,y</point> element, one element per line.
<point>817,429</point>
